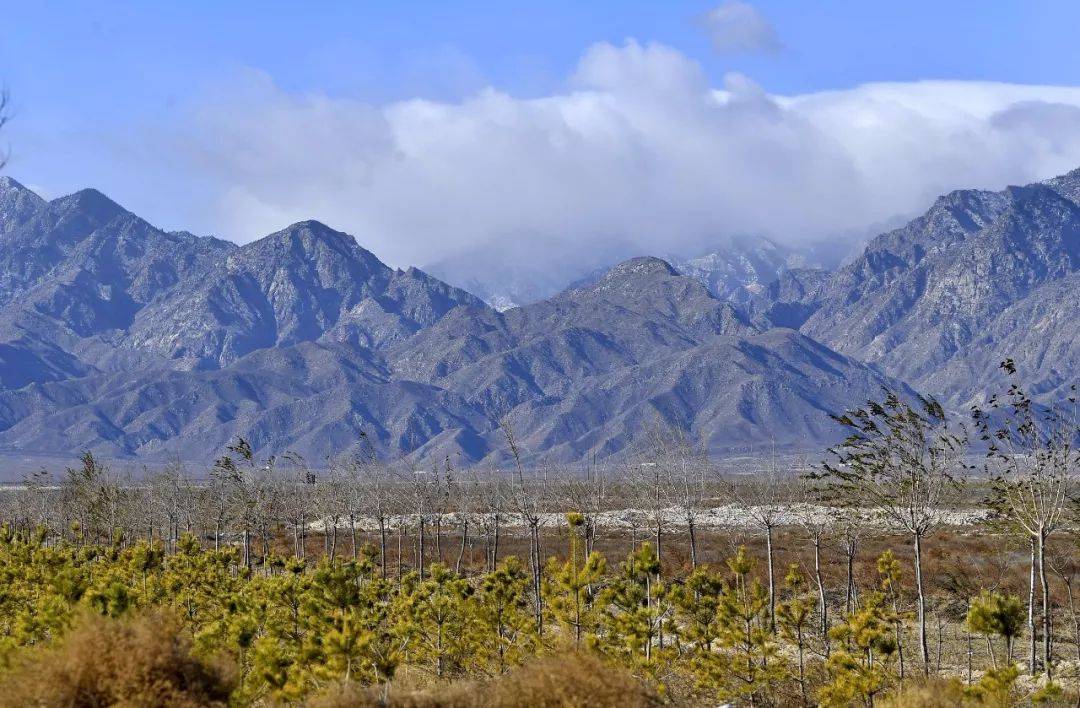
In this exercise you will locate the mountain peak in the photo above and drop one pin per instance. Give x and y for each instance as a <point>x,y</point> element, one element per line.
<point>17,202</point>
<point>92,202</point>
<point>312,232</point>
<point>641,267</point>
<point>10,184</point>
<point>311,239</point>
<point>310,225</point>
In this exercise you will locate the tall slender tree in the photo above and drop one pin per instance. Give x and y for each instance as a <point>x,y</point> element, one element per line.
<point>1033,462</point>
<point>903,460</point>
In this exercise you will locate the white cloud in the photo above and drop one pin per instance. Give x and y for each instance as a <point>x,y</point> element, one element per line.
<point>641,156</point>
<point>737,27</point>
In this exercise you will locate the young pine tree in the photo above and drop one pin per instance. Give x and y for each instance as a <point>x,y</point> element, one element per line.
<point>747,668</point>
<point>996,614</point>
<point>794,616</point>
<point>570,585</point>
<point>505,630</point>
<point>859,671</point>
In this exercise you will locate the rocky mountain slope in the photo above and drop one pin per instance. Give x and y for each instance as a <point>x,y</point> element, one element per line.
<point>980,275</point>
<point>137,343</point>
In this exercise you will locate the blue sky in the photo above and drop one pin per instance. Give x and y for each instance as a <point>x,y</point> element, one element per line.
<point>181,111</point>
<point>113,59</point>
<point>121,57</point>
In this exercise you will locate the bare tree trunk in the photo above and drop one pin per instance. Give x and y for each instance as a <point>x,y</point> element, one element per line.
<point>264,533</point>
<point>400,550</point>
<point>659,531</point>
<point>821,594</point>
<point>352,535</point>
<point>967,637</point>
<point>1046,608</point>
<point>923,646</point>
<point>850,597</point>
<point>382,546</point>
<point>1031,612</point>
<point>464,540</point>
<point>772,581</point>
<point>693,542</point>
<point>438,537</point>
<point>534,553</point>
<point>420,558</point>
<point>495,545</point>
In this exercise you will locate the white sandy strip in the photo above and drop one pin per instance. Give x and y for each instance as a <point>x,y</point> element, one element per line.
<point>672,518</point>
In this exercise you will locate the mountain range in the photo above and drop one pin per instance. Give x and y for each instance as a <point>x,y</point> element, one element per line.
<point>142,344</point>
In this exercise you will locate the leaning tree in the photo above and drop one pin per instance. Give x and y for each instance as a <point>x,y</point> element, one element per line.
<point>1033,460</point>
<point>901,459</point>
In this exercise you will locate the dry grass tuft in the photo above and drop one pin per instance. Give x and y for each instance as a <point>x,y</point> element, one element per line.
<point>567,681</point>
<point>142,661</point>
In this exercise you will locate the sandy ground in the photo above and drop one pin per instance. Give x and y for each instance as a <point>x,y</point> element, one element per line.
<point>721,517</point>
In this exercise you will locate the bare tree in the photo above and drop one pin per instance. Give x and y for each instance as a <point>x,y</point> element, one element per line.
<point>850,531</point>
<point>39,498</point>
<point>817,523</point>
<point>650,480</point>
<point>902,461</point>
<point>421,484</point>
<point>244,492</point>
<point>763,496</point>
<point>91,493</point>
<point>677,471</point>
<point>588,494</point>
<point>527,498</point>
<point>1033,463</point>
<point>373,496</point>
<point>333,505</point>
<point>171,494</point>
<point>464,490</point>
<point>492,497</point>
<point>297,487</point>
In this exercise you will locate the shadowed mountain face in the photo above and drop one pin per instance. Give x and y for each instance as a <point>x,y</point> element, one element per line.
<point>137,343</point>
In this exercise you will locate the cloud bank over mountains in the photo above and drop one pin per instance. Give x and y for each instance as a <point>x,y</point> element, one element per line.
<point>640,152</point>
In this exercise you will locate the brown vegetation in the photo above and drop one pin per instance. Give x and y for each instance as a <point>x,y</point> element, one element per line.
<point>139,661</point>
<point>570,680</point>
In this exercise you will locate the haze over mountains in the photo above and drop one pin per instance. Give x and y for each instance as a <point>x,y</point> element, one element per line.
<point>735,268</point>
<point>137,343</point>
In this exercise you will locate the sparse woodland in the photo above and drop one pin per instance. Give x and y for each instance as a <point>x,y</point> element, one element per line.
<point>924,561</point>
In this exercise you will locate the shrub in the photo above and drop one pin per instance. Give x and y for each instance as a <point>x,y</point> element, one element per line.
<point>140,661</point>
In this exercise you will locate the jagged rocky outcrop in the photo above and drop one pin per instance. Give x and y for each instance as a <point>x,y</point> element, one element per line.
<point>304,283</point>
<point>980,275</point>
